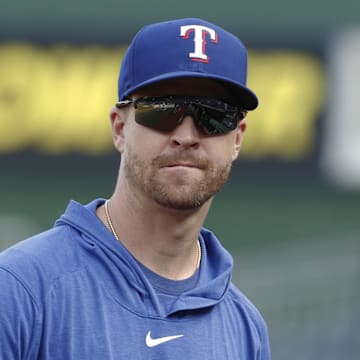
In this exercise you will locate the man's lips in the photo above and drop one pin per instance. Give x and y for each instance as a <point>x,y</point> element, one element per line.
<point>168,161</point>
<point>182,164</point>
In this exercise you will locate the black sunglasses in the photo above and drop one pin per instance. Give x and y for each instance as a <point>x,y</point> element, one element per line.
<point>211,116</point>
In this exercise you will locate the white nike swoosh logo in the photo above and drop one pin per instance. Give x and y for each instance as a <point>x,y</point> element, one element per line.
<point>150,342</point>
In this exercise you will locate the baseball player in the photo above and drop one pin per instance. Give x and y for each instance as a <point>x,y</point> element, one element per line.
<point>137,276</point>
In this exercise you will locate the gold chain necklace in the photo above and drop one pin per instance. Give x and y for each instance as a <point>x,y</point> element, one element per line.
<point>111,226</point>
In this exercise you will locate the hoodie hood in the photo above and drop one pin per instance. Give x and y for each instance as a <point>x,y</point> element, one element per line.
<point>123,277</point>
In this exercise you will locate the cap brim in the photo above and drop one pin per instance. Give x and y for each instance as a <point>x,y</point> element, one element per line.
<point>246,97</point>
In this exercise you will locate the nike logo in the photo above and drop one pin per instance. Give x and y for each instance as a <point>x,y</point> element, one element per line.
<point>151,342</point>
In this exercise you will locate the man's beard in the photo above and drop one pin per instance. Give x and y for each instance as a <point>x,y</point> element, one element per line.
<point>184,192</point>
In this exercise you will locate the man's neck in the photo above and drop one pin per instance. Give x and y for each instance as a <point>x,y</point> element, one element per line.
<point>164,240</point>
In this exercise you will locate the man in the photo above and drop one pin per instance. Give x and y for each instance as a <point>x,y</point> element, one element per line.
<point>136,276</point>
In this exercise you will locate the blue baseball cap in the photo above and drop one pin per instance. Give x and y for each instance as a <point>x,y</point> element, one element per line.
<point>186,48</point>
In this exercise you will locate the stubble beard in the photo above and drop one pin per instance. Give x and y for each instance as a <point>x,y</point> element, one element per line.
<point>183,193</point>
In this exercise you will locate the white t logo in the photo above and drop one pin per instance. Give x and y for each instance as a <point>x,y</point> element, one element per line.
<point>200,32</point>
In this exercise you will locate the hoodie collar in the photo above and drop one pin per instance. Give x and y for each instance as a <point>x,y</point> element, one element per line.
<point>119,265</point>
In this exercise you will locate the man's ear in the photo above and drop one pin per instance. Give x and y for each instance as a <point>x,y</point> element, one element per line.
<point>239,136</point>
<point>117,121</point>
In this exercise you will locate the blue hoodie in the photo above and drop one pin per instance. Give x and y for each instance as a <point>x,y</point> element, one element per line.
<point>74,292</point>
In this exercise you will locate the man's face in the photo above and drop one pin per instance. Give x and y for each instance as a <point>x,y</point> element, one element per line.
<point>181,169</point>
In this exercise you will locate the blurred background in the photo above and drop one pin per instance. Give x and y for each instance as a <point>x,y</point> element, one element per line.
<point>290,212</point>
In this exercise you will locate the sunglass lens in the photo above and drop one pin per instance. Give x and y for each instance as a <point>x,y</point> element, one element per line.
<point>213,122</point>
<point>164,121</point>
<point>164,114</point>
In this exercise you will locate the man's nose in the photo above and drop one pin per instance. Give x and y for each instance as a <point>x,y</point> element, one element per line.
<point>186,134</point>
